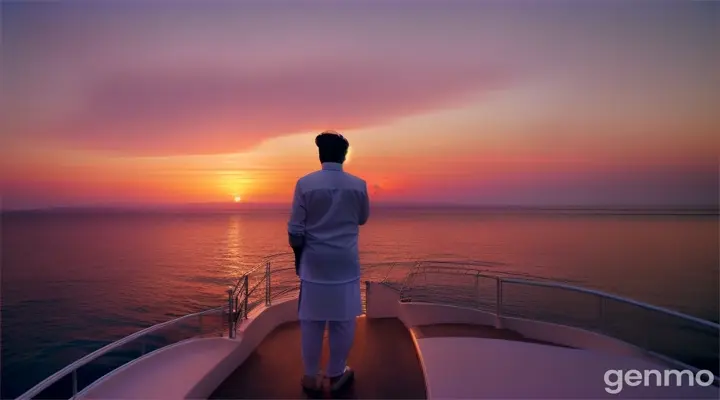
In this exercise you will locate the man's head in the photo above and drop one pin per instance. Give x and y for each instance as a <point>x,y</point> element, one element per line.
<point>332,146</point>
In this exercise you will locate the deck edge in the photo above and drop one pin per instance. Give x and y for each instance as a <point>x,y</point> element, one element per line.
<point>421,359</point>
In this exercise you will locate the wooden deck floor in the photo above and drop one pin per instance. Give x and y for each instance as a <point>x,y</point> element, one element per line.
<point>383,356</point>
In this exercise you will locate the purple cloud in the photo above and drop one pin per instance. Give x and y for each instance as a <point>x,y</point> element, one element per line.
<point>176,112</point>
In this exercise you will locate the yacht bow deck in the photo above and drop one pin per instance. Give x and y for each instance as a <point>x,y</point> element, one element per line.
<point>459,360</point>
<point>429,339</point>
<point>383,356</point>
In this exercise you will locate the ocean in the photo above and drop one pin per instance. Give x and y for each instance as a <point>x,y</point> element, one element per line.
<point>75,281</point>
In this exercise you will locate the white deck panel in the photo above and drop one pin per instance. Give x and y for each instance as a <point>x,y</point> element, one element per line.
<point>465,367</point>
<point>170,373</point>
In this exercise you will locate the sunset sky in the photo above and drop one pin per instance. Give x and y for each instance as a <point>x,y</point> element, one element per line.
<point>513,102</point>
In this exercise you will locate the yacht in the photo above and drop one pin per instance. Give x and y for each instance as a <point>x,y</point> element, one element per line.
<point>442,329</point>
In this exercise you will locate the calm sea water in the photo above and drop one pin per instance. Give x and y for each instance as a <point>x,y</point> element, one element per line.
<point>72,283</point>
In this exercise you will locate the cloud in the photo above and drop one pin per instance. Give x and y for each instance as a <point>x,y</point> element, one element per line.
<point>203,112</point>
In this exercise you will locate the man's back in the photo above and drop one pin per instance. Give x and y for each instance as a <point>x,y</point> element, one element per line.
<point>328,208</point>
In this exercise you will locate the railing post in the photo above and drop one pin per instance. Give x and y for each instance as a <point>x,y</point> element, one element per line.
<point>268,285</point>
<point>231,320</point>
<point>245,302</point>
<point>498,303</point>
<point>477,290</point>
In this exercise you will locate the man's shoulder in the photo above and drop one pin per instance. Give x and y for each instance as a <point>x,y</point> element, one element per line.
<point>308,176</point>
<point>309,180</point>
<point>356,180</point>
<point>318,178</point>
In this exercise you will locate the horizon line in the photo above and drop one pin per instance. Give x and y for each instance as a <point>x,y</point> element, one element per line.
<point>250,206</point>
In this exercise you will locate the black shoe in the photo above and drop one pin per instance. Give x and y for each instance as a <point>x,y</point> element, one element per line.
<point>312,385</point>
<point>341,381</point>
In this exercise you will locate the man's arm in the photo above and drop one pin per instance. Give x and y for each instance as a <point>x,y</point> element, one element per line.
<point>296,226</point>
<point>364,207</point>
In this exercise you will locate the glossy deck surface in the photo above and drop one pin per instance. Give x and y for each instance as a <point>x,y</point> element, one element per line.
<point>383,356</point>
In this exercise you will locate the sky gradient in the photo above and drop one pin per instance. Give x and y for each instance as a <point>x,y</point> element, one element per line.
<point>514,103</point>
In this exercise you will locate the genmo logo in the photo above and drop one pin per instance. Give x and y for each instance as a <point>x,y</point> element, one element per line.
<point>616,379</point>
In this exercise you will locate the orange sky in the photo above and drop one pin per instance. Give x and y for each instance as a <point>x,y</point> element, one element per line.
<point>481,104</point>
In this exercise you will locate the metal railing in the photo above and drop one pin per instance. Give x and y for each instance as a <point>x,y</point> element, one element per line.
<point>72,379</point>
<point>482,285</point>
<point>665,333</point>
<point>274,278</point>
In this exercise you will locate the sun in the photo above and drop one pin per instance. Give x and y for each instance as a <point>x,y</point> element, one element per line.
<point>237,199</point>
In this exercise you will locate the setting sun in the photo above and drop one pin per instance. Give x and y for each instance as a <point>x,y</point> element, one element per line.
<point>237,199</point>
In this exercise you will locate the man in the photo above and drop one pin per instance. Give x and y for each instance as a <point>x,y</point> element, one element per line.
<point>328,208</point>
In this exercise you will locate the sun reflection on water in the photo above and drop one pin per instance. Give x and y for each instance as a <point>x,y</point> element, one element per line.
<point>233,253</point>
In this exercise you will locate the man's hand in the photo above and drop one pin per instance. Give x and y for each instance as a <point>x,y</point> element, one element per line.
<point>298,256</point>
<point>297,243</point>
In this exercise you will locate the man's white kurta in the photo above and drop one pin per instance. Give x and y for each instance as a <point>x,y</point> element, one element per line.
<point>328,208</point>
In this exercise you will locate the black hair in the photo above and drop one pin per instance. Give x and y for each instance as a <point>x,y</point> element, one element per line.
<point>332,147</point>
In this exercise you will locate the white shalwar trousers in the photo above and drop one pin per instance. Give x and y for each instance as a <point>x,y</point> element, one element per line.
<point>335,306</point>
